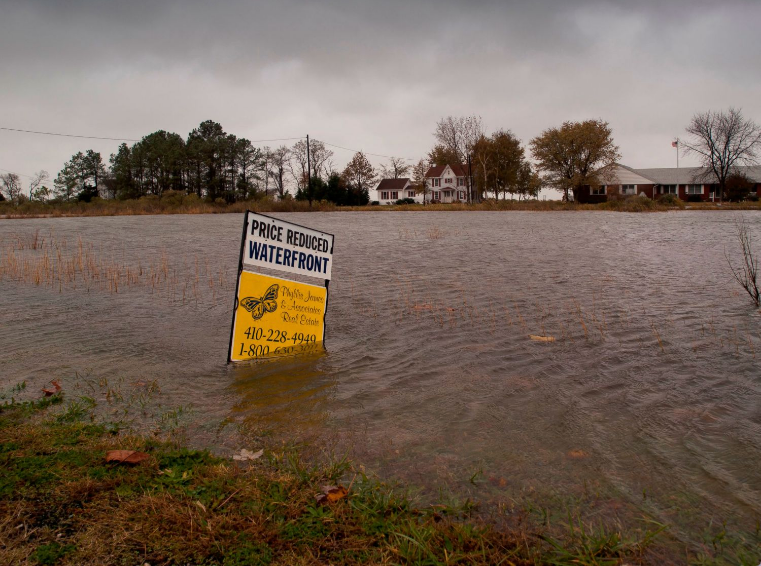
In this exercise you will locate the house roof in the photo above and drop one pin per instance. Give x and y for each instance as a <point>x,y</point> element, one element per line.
<point>457,168</point>
<point>685,175</point>
<point>393,184</point>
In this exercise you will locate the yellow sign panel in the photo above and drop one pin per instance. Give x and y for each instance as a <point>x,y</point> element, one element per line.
<point>276,317</point>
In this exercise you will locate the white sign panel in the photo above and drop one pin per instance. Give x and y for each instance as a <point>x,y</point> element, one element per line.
<point>284,246</point>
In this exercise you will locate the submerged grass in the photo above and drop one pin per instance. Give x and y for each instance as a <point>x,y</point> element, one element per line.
<point>61,503</point>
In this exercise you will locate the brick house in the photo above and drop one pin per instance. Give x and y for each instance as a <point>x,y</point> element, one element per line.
<point>684,182</point>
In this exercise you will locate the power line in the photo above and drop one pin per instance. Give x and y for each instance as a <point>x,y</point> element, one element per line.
<point>365,152</point>
<point>277,139</point>
<point>14,173</point>
<point>117,139</point>
<point>134,140</point>
<point>66,135</point>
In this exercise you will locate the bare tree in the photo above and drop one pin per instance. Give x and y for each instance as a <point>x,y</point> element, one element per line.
<point>36,183</point>
<point>722,141</point>
<point>396,169</point>
<point>279,160</point>
<point>266,164</point>
<point>459,135</point>
<point>297,164</point>
<point>747,274</point>
<point>11,186</point>
<point>320,158</point>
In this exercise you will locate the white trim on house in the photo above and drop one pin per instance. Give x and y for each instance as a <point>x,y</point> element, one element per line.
<point>691,186</point>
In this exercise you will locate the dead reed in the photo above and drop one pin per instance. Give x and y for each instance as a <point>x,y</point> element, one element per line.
<point>54,263</point>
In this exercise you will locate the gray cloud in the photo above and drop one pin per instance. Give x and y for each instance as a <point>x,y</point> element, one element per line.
<point>371,75</point>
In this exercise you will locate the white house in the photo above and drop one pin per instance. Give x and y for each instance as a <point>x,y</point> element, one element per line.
<point>447,183</point>
<point>389,191</point>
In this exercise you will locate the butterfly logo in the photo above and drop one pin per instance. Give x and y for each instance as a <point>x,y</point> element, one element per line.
<point>257,307</point>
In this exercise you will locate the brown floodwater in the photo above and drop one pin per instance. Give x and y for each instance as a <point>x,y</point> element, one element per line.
<point>650,392</point>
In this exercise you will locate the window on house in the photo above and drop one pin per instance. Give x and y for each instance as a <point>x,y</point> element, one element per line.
<point>436,183</point>
<point>460,181</point>
<point>410,194</point>
<point>394,195</point>
<point>436,195</point>
<point>597,190</point>
<point>448,180</point>
<point>694,189</point>
<point>668,189</point>
<point>384,195</point>
<point>628,189</point>
<point>461,195</point>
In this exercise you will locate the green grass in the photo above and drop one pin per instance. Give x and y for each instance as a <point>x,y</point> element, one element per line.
<point>61,503</point>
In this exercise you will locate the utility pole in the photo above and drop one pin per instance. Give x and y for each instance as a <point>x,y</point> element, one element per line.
<point>471,195</point>
<point>309,175</point>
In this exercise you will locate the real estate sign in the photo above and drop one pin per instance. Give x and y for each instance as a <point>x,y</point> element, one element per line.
<point>280,245</point>
<point>273,316</point>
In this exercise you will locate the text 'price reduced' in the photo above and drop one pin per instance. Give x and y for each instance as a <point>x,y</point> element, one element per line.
<point>283,246</point>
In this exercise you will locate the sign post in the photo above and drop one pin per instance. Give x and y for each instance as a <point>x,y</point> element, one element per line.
<point>272,316</point>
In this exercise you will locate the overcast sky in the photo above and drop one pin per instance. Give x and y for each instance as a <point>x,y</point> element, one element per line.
<point>371,75</point>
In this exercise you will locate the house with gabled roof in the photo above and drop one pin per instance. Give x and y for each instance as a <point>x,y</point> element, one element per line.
<point>389,191</point>
<point>687,183</point>
<point>447,183</point>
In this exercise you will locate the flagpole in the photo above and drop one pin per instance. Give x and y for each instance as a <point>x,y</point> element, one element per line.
<point>677,167</point>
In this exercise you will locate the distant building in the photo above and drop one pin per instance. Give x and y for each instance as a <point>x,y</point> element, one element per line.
<point>687,183</point>
<point>447,183</point>
<point>389,191</point>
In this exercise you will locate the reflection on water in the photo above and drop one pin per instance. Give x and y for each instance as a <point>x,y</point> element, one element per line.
<point>652,385</point>
<point>288,396</point>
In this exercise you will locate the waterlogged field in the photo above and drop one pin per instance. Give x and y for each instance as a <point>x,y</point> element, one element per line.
<point>603,367</point>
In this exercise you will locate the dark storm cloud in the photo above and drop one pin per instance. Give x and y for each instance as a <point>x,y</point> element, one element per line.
<point>359,73</point>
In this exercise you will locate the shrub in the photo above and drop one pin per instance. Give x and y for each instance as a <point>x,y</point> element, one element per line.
<point>630,204</point>
<point>172,198</point>
<point>374,203</point>
<point>694,198</point>
<point>670,200</point>
<point>405,201</point>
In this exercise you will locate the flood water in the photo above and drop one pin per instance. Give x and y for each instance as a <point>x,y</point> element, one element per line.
<point>650,393</point>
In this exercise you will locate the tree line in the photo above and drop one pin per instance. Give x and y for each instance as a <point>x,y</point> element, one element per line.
<point>220,167</point>
<point>210,163</point>
<point>583,154</point>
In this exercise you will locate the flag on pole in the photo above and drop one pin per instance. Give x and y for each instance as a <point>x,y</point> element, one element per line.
<point>675,143</point>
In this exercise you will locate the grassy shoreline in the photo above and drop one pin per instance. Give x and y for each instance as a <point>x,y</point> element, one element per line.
<point>62,503</point>
<point>182,204</point>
